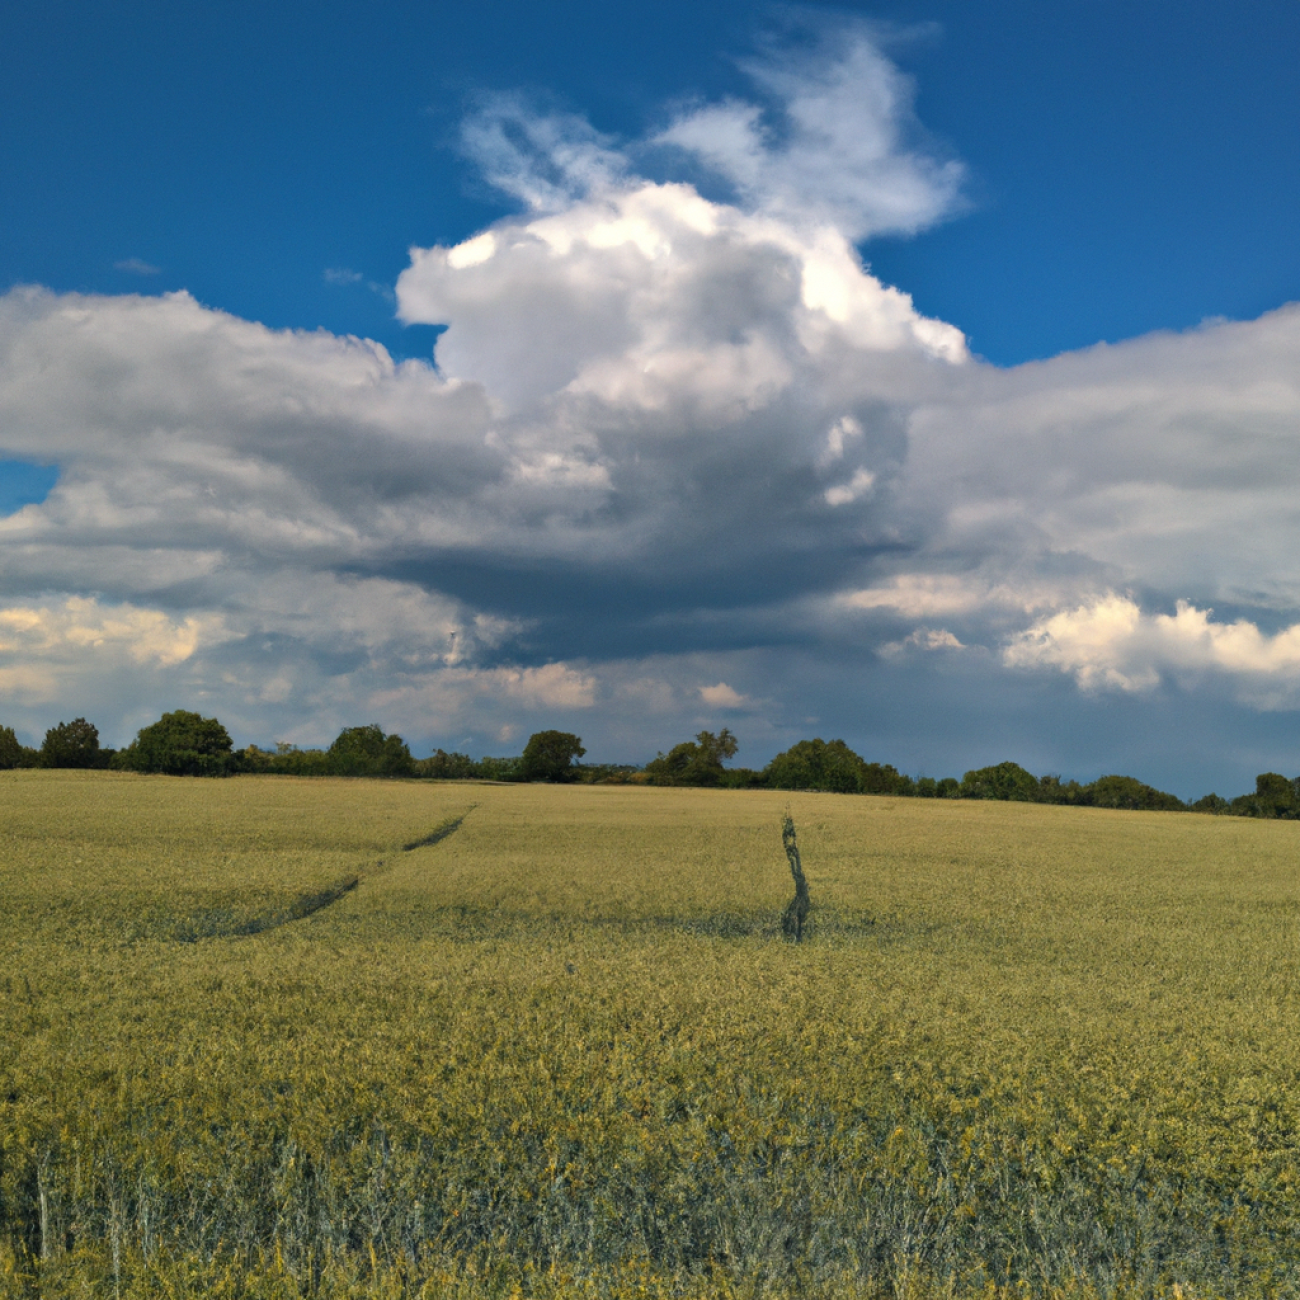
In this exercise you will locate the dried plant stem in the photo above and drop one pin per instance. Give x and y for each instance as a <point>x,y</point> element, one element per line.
<point>796,915</point>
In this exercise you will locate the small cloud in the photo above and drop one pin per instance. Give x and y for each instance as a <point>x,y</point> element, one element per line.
<point>846,493</point>
<point>137,266</point>
<point>924,638</point>
<point>938,595</point>
<point>345,276</point>
<point>936,638</point>
<point>723,696</point>
<point>842,432</point>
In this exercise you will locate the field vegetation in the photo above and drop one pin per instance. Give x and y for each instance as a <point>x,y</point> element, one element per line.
<point>283,1037</point>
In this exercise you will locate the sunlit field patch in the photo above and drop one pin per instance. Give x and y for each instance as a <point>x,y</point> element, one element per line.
<point>564,1049</point>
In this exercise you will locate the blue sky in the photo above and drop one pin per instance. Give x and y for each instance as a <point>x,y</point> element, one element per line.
<point>1105,585</point>
<point>1133,166</point>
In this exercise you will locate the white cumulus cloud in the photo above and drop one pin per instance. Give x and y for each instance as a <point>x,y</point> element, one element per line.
<point>722,696</point>
<point>838,143</point>
<point>1112,643</point>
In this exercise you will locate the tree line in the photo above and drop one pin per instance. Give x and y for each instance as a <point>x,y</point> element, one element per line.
<point>182,743</point>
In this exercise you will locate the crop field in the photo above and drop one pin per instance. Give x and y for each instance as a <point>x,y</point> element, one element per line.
<point>285,1037</point>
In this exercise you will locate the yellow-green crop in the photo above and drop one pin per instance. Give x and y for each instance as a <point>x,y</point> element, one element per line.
<point>565,1049</point>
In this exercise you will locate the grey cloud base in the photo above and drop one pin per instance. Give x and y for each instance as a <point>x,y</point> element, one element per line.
<point>292,532</point>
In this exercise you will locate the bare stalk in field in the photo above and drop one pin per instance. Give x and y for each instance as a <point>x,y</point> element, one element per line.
<point>796,914</point>
<point>44,1206</point>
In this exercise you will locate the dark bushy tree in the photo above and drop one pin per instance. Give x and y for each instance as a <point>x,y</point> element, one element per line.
<point>694,763</point>
<point>1003,781</point>
<point>1274,796</point>
<point>366,751</point>
<point>1129,792</point>
<point>885,778</point>
<point>13,753</point>
<point>71,744</point>
<point>180,743</point>
<point>817,765</point>
<point>549,756</point>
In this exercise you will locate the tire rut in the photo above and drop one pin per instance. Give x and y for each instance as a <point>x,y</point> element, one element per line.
<point>222,926</point>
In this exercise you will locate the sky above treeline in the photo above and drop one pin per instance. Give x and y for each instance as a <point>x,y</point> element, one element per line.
<point>926,375</point>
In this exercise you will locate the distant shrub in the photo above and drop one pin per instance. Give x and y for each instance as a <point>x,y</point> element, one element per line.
<point>366,751</point>
<point>72,744</point>
<point>549,756</point>
<point>442,766</point>
<point>499,769</point>
<point>285,760</point>
<point>742,778</point>
<point>1211,803</point>
<point>180,743</point>
<point>606,773</point>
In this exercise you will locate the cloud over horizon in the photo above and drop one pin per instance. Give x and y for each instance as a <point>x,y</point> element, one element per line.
<point>681,458</point>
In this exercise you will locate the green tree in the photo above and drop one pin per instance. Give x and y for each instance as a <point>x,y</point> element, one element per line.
<point>1003,781</point>
<point>885,778</point>
<point>180,743</point>
<point>697,762</point>
<point>1274,796</point>
<point>71,744</point>
<point>1129,792</point>
<point>817,765</point>
<point>366,751</point>
<point>13,753</point>
<point>549,756</point>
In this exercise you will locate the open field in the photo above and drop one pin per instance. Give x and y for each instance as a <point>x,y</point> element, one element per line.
<point>564,1049</point>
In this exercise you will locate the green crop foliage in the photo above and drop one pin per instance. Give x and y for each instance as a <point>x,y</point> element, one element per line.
<point>254,1045</point>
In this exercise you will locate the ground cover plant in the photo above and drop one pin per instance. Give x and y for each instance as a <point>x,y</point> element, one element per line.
<point>281,1037</point>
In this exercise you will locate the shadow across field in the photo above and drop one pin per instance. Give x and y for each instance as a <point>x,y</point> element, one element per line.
<point>472,923</point>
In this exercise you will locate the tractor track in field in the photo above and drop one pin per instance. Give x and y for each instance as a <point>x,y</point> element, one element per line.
<point>221,925</point>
